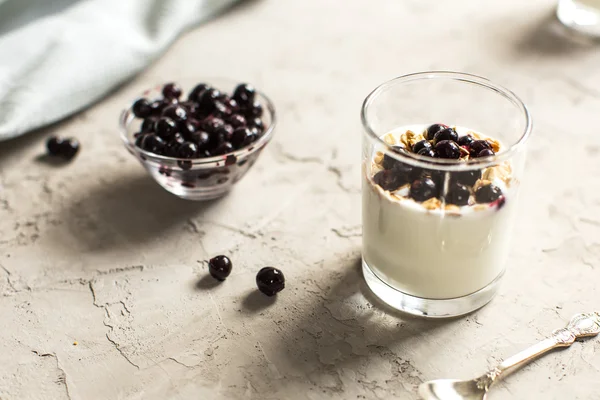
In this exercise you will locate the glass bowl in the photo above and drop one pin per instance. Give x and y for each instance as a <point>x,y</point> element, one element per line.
<point>200,178</point>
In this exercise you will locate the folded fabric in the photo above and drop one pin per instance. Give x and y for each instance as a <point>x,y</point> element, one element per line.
<point>59,56</point>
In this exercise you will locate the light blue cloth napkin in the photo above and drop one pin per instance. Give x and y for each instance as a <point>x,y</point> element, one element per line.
<point>59,56</point>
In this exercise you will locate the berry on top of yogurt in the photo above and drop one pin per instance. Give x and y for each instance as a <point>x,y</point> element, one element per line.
<point>458,195</point>
<point>206,123</point>
<point>387,179</point>
<point>445,134</point>
<point>433,129</point>
<point>485,153</point>
<point>488,193</point>
<point>423,189</point>
<point>465,140</point>
<point>423,144</point>
<point>390,162</point>
<point>447,149</point>
<point>435,187</point>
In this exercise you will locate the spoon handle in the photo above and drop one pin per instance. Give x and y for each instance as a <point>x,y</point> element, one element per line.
<point>580,326</point>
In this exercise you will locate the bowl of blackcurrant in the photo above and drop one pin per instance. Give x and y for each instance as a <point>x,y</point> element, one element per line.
<point>198,143</point>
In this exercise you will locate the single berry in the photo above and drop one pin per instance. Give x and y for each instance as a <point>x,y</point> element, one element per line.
<point>54,145</point>
<point>197,91</point>
<point>223,148</point>
<point>447,149</point>
<point>433,129</point>
<point>141,108</point>
<point>257,123</point>
<point>390,162</point>
<point>206,101</point>
<point>171,91</point>
<point>219,267</point>
<point>201,139</point>
<point>220,135</point>
<point>458,195</point>
<point>171,148</point>
<point>465,140</point>
<point>156,107</point>
<point>445,134</point>
<point>241,137</point>
<point>189,127</point>
<point>211,124</point>
<point>427,152</point>
<point>150,143</point>
<point>237,121</point>
<point>488,193</point>
<point>423,189</point>
<point>166,128</point>
<point>244,94</point>
<point>423,144</point>
<point>270,281</point>
<point>69,148</point>
<point>233,104</point>
<point>478,145</point>
<point>255,110</point>
<point>388,180</point>
<point>221,110</point>
<point>404,173</point>
<point>148,125</point>
<point>466,177</point>
<point>187,150</point>
<point>485,153</point>
<point>176,112</point>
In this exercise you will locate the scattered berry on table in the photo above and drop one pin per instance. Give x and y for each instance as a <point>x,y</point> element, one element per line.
<point>270,281</point>
<point>219,267</point>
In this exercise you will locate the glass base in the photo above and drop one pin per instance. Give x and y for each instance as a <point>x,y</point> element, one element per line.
<point>580,16</point>
<point>198,194</point>
<point>429,308</point>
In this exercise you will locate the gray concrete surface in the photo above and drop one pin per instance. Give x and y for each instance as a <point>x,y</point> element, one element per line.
<point>103,282</point>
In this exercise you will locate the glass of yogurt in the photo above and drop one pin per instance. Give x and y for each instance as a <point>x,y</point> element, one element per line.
<point>442,160</point>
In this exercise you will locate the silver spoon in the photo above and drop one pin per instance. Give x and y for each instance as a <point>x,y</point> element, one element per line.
<point>580,326</point>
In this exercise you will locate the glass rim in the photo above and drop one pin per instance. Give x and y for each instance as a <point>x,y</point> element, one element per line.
<point>441,163</point>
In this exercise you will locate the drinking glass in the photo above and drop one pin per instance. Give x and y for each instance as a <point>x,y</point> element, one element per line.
<point>436,259</point>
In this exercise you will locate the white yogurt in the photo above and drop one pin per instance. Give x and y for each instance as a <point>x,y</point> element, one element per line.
<point>434,254</point>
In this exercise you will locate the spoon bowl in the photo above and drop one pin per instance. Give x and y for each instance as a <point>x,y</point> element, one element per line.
<point>451,389</point>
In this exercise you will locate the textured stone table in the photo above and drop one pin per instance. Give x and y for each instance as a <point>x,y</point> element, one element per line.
<point>103,281</point>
